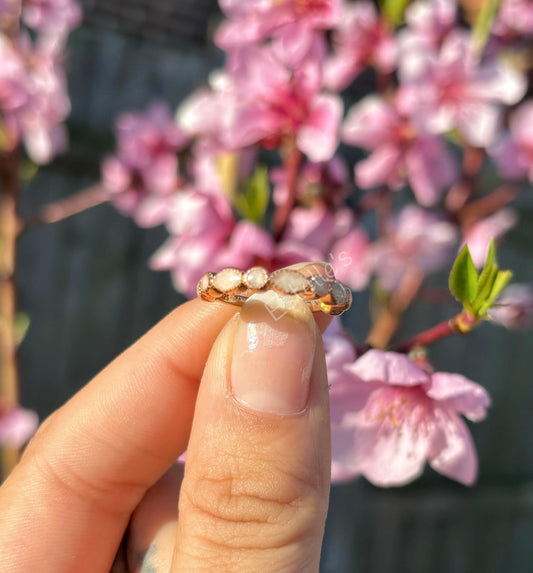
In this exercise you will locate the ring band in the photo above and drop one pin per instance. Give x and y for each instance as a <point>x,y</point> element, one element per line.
<point>235,286</point>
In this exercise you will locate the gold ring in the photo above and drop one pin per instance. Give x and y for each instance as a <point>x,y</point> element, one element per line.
<point>309,281</point>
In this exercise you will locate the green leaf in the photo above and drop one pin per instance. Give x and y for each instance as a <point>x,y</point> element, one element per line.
<point>483,24</point>
<point>487,278</point>
<point>252,200</point>
<point>502,280</point>
<point>393,10</point>
<point>464,278</point>
<point>22,323</point>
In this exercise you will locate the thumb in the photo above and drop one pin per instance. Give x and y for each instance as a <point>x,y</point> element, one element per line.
<point>255,492</point>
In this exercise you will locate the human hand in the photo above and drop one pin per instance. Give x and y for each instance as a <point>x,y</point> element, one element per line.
<point>254,494</point>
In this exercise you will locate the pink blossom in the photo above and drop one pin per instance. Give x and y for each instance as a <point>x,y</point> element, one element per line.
<point>514,17</point>
<point>479,235</point>
<point>514,151</point>
<point>451,89</point>
<point>17,425</point>
<point>55,17</point>
<point>514,308</point>
<point>350,259</point>
<point>399,150</point>
<point>143,175</point>
<point>389,416</point>
<point>419,241</point>
<point>254,20</point>
<point>33,97</point>
<point>430,21</point>
<point>278,103</point>
<point>361,39</point>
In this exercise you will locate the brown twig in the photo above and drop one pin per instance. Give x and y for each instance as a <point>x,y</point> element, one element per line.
<point>292,166</point>
<point>462,323</point>
<point>65,208</point>
<point>9,193</point>
<point>389,320</point>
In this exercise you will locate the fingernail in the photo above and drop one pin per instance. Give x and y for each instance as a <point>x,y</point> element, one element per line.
<point>273,354</point>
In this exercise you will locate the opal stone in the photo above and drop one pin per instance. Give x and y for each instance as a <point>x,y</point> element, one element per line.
<point>228,280</point>
<point>256,278</point>
<point>288,281</point>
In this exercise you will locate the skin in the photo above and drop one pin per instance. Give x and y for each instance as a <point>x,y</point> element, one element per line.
<point>97,488</point>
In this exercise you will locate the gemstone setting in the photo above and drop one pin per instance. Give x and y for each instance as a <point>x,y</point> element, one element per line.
<point>228,280</point>
<point>256,278</point>
<point>288,281</point>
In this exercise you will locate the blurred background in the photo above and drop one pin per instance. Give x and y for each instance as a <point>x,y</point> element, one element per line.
<point>85,284</point>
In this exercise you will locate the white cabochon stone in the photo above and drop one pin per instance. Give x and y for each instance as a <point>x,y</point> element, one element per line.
<point>256,278</point>
<point>288,281</point>
<point>227,280</point>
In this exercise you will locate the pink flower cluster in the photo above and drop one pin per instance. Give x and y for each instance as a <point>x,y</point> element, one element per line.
<point>143,176</point>
<point>441,98</point>
<point>33,95</point>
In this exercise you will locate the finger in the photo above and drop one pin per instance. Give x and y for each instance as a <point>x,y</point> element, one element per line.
<point>91,462</point>
<point>255,492</point>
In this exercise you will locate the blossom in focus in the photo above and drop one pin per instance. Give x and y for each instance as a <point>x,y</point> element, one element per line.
<point>361,39</point>
<point>419,241</point>
<point>450,88</point>
<point>399,151</point>
<point>141,178</point>
<point>254,20</point>
<point>514,151</point>
<point>389,416</point>
<point>479,235</point>
<point>17,425</point>
<point>514,308</point>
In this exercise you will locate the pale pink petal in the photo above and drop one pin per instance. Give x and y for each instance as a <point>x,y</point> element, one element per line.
<point>388,367</point>
<point>388,457</point>
<point>430,169</point>
<point>318,138</point>
<point>452,452</point>
<point>17,426</point>
<point>370,123</point>
<point>151,211</point>
<point>478,122</point>
<point>161,175</point>
<point>461,394</point>
<point>350,259</point>
<point>382,166</point>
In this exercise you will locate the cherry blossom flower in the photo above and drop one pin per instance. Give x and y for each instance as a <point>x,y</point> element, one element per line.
<point>389,416</point>
<point>451,89</point>
<point>419,241</point>
<point>479,235</point>
<point>143,175</point>
<point>52,17</point>
<point>399,151</point>
<point>254,20</point>
<point>279,103</point>
<point>513,152</point>
<point>514,308</point>
<point>361,39</point>
<point>17,425</point>
<point>514,17</point>
<point>350,259</point>
<point>33,98</point>
<point>429,22</point>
